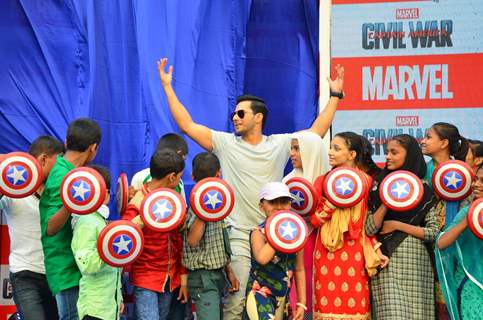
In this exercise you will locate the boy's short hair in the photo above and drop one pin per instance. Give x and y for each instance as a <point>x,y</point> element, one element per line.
<point>164,162</point>
<point>174,142</point>
<point>204,165</point>
<point>82,133</point>
<point>104,172</point>
<point>46,144</point>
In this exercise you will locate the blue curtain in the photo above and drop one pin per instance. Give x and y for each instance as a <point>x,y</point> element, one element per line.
<point>97,58</point>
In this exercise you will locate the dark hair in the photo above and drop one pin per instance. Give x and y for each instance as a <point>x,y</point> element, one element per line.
<point>174,142</point>
<point>458,145</point>
<point>205,164</point>
<point>164,162</point>
<point>476,147</point>
<point>82,133</point>
<point>104,172</point>
<point>354,143</point>
<point>414,161</point>
<point>257,105</point>
<point>46,144</point>
<point>366,159</point>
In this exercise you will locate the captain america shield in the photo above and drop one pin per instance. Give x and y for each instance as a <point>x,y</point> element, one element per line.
<point>20,175</point>
<point>475,217</point>
<point>401,190</point>
<point>304,196</point>
<point>212,199</point>
<point>120,243</point>
<point>122,193</point>
<point>163,210</point>
<point>286,231</point>
<point>344,187</point>
<point>83,190</point>
<point>452,180</point>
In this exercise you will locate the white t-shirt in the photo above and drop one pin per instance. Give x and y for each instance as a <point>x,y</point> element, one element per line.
<point>144,176</point>
<point>23,219</point>
<point>247,168</point>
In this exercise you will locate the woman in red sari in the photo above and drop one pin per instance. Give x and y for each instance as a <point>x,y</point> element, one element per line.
<point>345,257</point>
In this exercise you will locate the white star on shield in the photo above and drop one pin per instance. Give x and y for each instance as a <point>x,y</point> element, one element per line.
<point>401,188</point>
<point>453,180</point>
<point>298,198</point>
<point>288,230</point>
<point>213,199</point>
<point>162,209</point>
<point>80,190</point>
<point>16,175</point>
<point>344,185</point>
<point>122,245</point>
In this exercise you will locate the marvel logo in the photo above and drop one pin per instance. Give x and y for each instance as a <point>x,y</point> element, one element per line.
<point>408,13</point>
<point>407,121</point>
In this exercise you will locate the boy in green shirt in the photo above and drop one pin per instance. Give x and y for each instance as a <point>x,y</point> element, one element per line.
<point>100,294</point>
<point>83,137</point>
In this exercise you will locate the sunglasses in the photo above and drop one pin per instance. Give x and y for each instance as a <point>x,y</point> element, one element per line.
<point>239,113</point>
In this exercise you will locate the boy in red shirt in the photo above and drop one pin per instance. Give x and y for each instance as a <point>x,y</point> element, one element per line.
<point>158,276</point>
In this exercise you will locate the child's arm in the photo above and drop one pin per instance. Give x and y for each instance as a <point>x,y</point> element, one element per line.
<point>262,251</point>
<point>234,282</point>
<point>84,248</point>
<point>300,285</point>
<point>57,221</point>
<point>448,237</point>
<point>426,233</point>
<point>378,217</point>
<point>183,290</point>
<point>195,232</point>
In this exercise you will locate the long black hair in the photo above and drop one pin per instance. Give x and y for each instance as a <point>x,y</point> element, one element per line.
<point>367,162</point>
<point>458,145</point>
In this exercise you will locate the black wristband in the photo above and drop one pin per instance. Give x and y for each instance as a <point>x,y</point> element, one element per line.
<point>339,95</point>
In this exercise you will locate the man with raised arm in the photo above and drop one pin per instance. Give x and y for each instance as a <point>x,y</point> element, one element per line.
<point>248,160</point>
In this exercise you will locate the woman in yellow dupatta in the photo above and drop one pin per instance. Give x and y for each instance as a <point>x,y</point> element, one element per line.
<point>345,257</point>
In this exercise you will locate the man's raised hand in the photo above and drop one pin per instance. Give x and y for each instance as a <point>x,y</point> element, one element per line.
<point>337,85</point>
<point>166,77</point>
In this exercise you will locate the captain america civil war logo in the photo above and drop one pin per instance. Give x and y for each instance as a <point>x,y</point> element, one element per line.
<point>380,136</point>
<point>407,31</point>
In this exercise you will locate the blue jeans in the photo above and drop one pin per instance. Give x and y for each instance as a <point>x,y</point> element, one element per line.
<point>32,296</point>
<point>154,305</point>
<point>67,303</point>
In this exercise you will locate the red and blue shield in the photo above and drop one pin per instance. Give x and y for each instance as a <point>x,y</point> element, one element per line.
<point>120,243</point>
<point>122,193</point>
<point>304,196</point>
<point>20,175</point>
<point>401,190</point>
<point>344,187</point>
<point>452,180</point>
<point>83,190</point>
<point>475,217</point>
<point>212,199</point>
<point>163,210</point>
<point>286,231</point>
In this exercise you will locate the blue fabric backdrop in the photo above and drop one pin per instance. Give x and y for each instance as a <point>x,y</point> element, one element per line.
<point>97,58</point>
